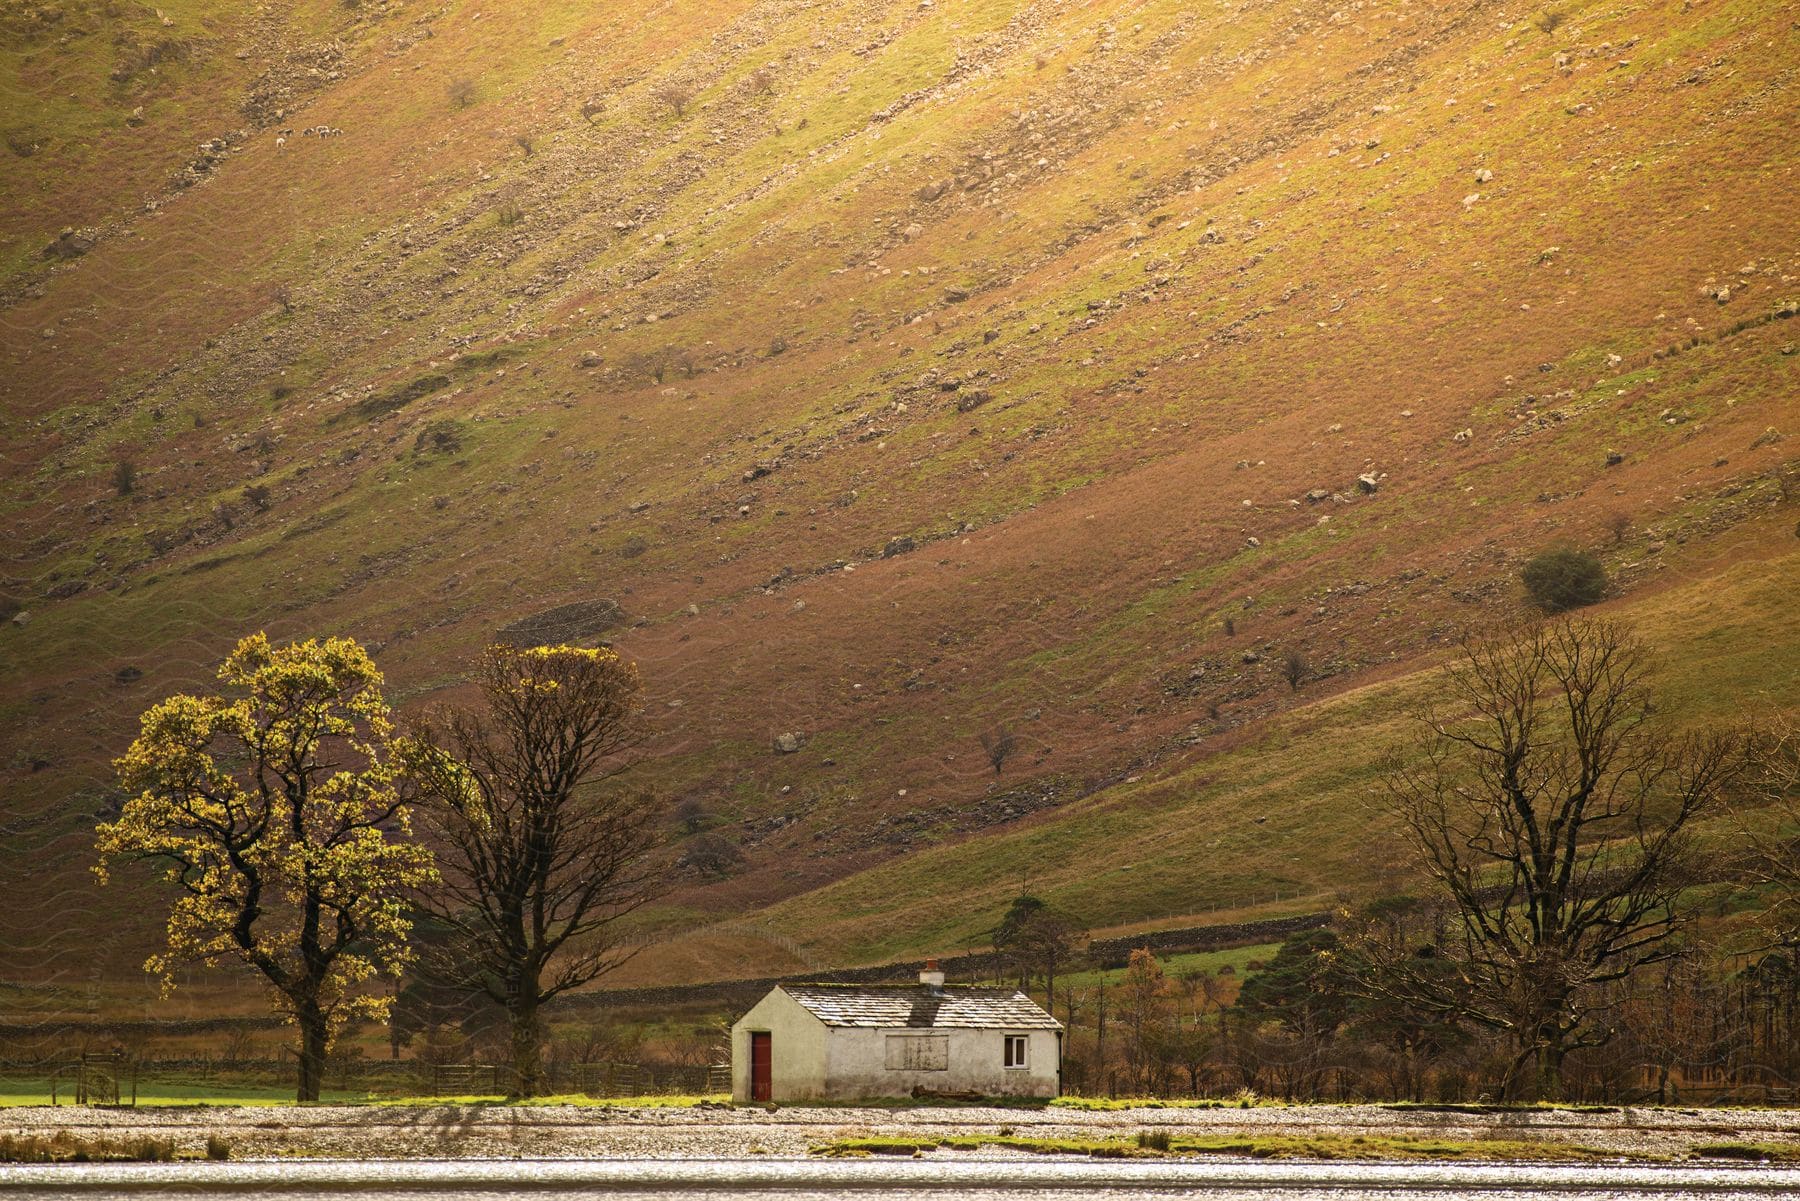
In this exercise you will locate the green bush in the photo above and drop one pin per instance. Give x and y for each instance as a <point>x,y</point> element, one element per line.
<point>1562,579</point>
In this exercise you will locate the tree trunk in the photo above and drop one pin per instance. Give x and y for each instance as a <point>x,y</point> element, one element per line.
<point>315,1035</point>
<point>1550,1072</point>
<point>527,1044</point>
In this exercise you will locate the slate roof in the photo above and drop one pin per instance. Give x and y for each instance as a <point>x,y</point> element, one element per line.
<point>917,1005</point>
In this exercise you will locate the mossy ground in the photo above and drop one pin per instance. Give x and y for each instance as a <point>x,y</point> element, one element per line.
<point>1163,243</point>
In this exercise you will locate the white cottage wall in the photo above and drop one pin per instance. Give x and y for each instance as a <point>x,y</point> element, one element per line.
<point>796,1047</point>
<point>856,1063</point>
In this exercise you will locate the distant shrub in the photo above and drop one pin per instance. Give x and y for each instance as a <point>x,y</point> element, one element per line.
<point>124,476</point>
<point>710,855</point>
<point>1295,668</point>
<point>217,1148</point>
<point>998,745</point>
<point>1153,1140</point>
<point>258,497</point>
<point>461,92</point>
<point>442,437</point>
<point>1550,20</point>
<point>673,96</point>
<point>510,214</point>
<point>524,142</point>
<point>1563,578</point>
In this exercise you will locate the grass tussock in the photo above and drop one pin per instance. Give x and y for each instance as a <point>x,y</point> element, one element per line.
<point>64,1147</point>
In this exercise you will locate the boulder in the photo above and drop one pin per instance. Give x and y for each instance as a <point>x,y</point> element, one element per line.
<point>788,743</point>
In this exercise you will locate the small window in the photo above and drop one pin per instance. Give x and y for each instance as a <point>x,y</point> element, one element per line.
<point>1015,1050</point>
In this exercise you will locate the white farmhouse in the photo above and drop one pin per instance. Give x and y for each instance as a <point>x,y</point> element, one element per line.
<point>846,1041</point>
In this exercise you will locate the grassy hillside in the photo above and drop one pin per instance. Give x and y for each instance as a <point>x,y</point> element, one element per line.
<point>901,372</point>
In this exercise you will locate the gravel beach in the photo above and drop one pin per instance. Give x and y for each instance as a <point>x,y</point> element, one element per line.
<point>623,1132</point>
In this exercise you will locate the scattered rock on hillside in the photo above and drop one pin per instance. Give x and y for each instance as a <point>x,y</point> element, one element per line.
<point>1318,496</point>
<point>564,623</point>
<point>71,244</point>
<point>1614,458</point>
<point>591,360</point>
<point>904,544</point>
<point>789,743</point>
<point>128,675</point>
<point>1368,482</point>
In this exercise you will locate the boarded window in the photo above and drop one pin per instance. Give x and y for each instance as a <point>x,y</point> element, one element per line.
<point>918,1053</point>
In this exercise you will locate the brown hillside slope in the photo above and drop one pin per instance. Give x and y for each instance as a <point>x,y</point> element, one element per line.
<point>899,371</point>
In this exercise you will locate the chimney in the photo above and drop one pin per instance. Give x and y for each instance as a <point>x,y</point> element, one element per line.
<point>931,977</point>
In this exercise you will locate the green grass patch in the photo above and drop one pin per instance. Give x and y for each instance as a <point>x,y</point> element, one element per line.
<point>37,1091</point>
<point>1113,1104</point>
<point>665,1101</point>
<point>1157,1144</point>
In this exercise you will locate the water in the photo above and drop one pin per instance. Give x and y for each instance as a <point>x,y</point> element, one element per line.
<point>998,1179</point>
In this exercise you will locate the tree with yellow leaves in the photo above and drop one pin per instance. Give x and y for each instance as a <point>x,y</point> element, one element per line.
<point>541,856</point>
<point>277,812</point>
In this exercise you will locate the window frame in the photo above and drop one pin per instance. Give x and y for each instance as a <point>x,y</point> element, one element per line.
<point>1023,1062</point>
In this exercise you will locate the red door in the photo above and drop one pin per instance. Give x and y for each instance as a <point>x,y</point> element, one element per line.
<point>761,1067</point>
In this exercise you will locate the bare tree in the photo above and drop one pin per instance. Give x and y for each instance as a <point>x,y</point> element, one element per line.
<point>1774,842</point>
<point>999,744</point>
<point>1554,808</point>
<point>691,813</point>
<point>1038,940</point>
<point>540,860</point>
<point>673,96</point>
<point>1295,668</point>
